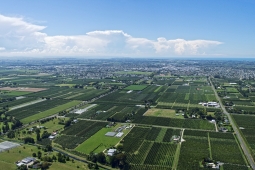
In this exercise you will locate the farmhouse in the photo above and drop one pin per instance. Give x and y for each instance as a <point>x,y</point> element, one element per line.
<point>26,161</point>
<point>210,104</point>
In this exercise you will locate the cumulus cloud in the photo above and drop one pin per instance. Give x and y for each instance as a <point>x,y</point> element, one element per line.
<point>21,38</point>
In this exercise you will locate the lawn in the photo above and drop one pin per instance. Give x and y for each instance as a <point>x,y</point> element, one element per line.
<point>8,158</point>
<point>49,112</point>
<point>99,142</point>
<point>136,87</point>
<point>163,113</point>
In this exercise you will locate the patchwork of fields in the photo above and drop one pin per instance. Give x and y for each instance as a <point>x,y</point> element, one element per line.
<point>166,133</point>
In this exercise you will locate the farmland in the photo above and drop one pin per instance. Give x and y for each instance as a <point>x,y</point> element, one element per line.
<point>247,127</point>
<point>136,87</point>
<point>216,146</point>
<point>163,113</point>
<point>165,109</point>
<point>142,150</point>
<point>78,133</point>
<point>99,142</point>
<point>50,112</point>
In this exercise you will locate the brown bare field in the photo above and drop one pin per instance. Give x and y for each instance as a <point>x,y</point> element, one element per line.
<point>28,89</point>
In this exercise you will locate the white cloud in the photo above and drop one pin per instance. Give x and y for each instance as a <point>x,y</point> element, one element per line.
<point>21,38</point>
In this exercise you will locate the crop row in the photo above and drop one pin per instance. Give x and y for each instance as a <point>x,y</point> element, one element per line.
<point>36,108</point>
<point>70,142</point>
<point>193,151</point>
<point>226,151</point>
<point>182,123</point>
<point>17,102</point>
<point>161,154</point>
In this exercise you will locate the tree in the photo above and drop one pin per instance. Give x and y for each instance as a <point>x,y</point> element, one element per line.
<point>34,154</point>
<point>22,167</point>
<point>29,140</point>
<point>39,153</point>
<point>38,137</point>
<point>54,158</point>
<point>101,158</point>
<point>45,165</point>
<point>11,134</point>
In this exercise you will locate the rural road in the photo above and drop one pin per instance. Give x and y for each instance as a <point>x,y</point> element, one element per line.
<point>236,130</point>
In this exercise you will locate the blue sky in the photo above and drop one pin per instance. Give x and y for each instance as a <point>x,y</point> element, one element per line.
<point>128,28</point>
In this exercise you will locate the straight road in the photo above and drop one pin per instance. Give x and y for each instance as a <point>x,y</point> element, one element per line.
<point>243,145</point>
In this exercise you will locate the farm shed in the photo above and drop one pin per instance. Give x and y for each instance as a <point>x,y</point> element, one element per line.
<point>111,134</point>
<point>110,152</point>
<point>119,134</point>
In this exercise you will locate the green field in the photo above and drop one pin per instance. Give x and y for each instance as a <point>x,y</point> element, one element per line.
<point>136,87</point>
<point>163,113</point>
<point>99,142</point>
<point>8,158</point>
<point>65,85</point>
<point>49,112</point>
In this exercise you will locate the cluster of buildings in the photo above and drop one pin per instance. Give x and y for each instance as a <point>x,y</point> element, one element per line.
<point>210,104</point>
<point>26,161</point>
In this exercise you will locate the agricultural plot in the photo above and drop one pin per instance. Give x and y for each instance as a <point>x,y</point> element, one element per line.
<point>163,113</point>
<point>136,87</point>
<point>17,102</point>
<point>13,93</point>
<point>131,98</point>
<point>164,82</point>
<point>50,112</point>
<point>171,122</point>
<point>142,150</point>
<point>78,133</point>
<point>100,112</point>
<point>125,114</point>
<point>214,145</point>
<point>247,127</point>
<point>99,142</point>
<point>30,110</point>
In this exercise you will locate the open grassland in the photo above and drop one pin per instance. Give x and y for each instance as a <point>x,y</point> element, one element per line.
<point>163,113</point>
<point>49,112</point>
